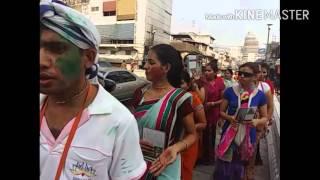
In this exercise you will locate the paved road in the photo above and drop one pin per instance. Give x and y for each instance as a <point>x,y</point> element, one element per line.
<point>262,172</point>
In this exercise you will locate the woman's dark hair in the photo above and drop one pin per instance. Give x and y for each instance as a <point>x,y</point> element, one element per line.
<point>167,54</point>
<point>185,76</point>
<point>230,71</point>
<point>214,65</point>
<point>265,65</point>
<point>253,66</point>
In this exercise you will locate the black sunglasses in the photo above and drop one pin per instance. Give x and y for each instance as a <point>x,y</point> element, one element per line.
<point>245,74</point>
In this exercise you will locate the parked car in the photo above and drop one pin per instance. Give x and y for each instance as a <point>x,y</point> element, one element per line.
<point>104,63</point>
<point>125,82</point>
<point>108,84</point>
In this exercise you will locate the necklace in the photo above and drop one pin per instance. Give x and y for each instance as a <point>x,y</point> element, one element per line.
<point>164,87</point>
<point>75,96</point>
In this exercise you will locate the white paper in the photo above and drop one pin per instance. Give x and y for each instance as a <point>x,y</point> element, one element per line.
<point>157,138</point>
<point>192,64</point>
<point>192,57</point>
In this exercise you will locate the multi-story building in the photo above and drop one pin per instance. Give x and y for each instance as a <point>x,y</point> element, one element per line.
<point>236,55</point>
<point>273,53</point>
<point>128,27</point>
<point>250,48</point>
<point>194,43</point>
<point>222,54</point>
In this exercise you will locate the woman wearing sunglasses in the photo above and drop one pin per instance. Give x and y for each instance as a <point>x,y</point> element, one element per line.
<point>236,146</point>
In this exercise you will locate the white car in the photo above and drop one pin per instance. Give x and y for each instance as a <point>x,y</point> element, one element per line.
<point>126,82</point>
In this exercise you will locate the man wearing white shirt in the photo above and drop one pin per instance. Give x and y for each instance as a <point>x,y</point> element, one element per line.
<point>85,133</point>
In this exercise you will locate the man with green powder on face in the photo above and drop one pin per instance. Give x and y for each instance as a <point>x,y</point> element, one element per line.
<point>85,133</point>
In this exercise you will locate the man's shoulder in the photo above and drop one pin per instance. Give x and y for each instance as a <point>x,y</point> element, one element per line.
<point>105,103</point>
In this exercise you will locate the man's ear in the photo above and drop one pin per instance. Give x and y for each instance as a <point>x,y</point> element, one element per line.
<point>89,56</point>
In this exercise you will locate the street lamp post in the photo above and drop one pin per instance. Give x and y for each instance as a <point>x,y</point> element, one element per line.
<point>148,44</point>
<point>153,31</point>
<point>266,58</point>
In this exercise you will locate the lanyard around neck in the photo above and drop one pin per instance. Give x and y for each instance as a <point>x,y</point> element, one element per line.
<point>71,134</point>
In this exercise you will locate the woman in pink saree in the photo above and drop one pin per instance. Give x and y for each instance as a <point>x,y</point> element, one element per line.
<point>214,87</point>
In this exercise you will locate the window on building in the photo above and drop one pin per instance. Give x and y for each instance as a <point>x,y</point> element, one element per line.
<point>121,41</point>
<point>95,8</point>
<point>128,52</point>
<point>109,13</point>
<point>113,52</point>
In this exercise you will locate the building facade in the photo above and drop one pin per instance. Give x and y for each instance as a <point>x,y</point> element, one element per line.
<point>250,48</point>
<point>128,28</point>
<point>192,43</point>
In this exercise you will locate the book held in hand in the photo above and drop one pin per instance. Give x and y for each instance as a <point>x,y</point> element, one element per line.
<point>157,139</point>
<point>246,114</point>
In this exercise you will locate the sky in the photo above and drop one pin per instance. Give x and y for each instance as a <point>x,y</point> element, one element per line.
<point>189,16</point>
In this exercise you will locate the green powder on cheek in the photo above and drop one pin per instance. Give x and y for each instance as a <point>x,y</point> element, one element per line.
<point>69,64</point>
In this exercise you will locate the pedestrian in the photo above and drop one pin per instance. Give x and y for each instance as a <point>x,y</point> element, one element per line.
<point>198,86</point>
<point>228,81</point>
<point>267,90</point>
<point>265,77</point>
<point>236,76</point>
<point>238,138</point>
<point>264,87</point>
<point>124,64</point>
<point>165,110</point>
<point>85,133</point>
<point>214,87</point>
<point>133,65</point>
<point>189,157</point>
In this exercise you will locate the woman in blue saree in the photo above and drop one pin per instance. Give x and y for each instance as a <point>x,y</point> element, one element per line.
<point>238,139</point>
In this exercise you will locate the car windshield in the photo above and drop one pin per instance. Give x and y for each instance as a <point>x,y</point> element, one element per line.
<point>103,63</point>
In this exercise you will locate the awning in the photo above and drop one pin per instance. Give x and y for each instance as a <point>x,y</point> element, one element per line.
<point>109,6</point>
<point>184,47</point>
<point>126,10</point>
